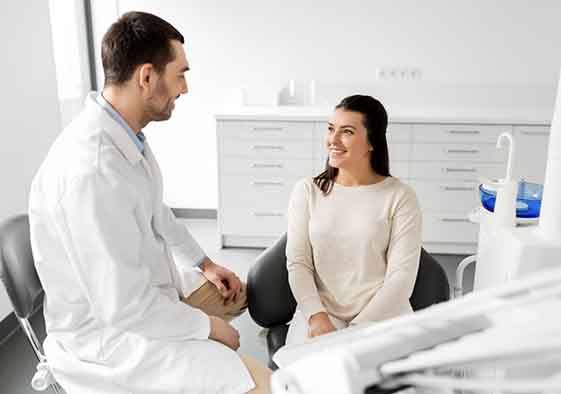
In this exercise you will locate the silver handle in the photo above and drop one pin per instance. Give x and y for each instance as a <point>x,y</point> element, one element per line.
<point>469,132</point>
<point>536,133</point>
<point>470,151</point>
<point>458,188</point>
<point>267,214</point>
<point>266,165</point>
<point>455,220</point>
<point>267,128</point>
<point>267,183</point>
<point>448,169</point>
<point>267,147</point>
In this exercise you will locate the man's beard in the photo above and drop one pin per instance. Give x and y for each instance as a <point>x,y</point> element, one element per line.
<point>157,113</point>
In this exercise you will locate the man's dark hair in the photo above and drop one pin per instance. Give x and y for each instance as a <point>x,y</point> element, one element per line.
<point>136,38</point>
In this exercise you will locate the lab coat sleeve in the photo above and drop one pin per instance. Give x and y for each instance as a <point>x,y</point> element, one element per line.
<point>102,237</point>
<point>402,263</point>
<point>299,257</point>
<point>183,246</point>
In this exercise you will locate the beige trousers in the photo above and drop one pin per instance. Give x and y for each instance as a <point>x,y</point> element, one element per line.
<point>208,299</point>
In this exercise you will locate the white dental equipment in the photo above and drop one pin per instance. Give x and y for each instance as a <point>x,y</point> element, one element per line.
<point>508,325</point>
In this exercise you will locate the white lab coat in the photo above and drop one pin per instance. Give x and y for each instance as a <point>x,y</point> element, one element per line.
<point>104,246</point>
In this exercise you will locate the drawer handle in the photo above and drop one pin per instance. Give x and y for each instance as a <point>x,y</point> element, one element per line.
<point>267,183</point>
<point>448,169</point>
<point>266,165</point>
<point>469,151</point>
<point>267,147</point>
<point>464,132</point>
<point>536,133</point>
<point>267,214</point>
<point>458,188</point>
<point>455,220</point>
<point>265,128</point>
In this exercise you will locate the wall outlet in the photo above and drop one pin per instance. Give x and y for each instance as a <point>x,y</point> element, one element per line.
<point>398,74</point>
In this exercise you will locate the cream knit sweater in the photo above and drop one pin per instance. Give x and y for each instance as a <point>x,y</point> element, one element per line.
<point>355,252</point>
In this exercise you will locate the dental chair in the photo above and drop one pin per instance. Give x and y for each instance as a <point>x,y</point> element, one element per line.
<point>17,271</point>
<point>272,305</point>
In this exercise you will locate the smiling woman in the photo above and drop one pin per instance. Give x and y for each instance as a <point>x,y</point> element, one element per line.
<point>354,231</point>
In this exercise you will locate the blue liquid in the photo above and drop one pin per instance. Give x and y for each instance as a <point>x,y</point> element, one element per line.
<point>528,202</point>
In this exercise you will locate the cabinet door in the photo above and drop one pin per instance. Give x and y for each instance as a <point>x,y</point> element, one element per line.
<point>446,196</point>
<point>531,153</point>
<point>255,205</point>
<point>458,133</point>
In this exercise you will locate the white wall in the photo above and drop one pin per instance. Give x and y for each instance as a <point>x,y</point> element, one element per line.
<point>476,54</point>
<point>28,104</point>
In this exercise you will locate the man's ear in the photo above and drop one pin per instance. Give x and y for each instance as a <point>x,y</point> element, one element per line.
<point>146,75</point>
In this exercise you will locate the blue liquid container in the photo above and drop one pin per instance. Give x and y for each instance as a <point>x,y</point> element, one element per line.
<point>528,199</point>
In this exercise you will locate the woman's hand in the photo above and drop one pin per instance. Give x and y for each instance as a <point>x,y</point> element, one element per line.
<point>320,324</point>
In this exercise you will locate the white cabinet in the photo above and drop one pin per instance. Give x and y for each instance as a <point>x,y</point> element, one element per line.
<point>259,163</point>
<point>261,158</point>
<point>445,165</point>
<point>531,143</point>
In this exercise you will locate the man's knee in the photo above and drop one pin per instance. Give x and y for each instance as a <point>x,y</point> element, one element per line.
<point>208,299</point>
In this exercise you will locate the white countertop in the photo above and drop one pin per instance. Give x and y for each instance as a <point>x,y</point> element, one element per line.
<point>452,115</point>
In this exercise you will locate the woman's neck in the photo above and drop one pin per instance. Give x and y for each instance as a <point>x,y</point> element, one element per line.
<point>349,178</point>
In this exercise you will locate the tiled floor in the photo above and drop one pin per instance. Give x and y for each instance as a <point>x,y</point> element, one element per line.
<point>17,362</point>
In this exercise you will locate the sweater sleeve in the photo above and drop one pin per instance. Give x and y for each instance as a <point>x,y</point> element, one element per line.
<point>402,263</point>
<point>299,258</point>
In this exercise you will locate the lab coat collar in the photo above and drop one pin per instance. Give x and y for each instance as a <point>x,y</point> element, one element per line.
<point>115,131</point>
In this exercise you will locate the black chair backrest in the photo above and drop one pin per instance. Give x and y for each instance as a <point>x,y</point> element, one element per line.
<point>17,269</point>
<point>269,298</point>
<point>271,302</point>
<point>431,286</point>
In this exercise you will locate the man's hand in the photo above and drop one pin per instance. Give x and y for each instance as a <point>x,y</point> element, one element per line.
<point>223,332</point>
<point>227,283</point>
<point>320,324</point>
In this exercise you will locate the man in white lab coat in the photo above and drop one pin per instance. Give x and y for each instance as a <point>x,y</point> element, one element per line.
<point>125,306</point>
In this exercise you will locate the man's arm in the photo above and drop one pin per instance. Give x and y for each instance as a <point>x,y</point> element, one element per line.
<point>98,227</point>
<point>185,248</point>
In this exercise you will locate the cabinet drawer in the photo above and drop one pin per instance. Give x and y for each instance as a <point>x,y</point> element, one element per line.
<point>531,154</point>
<point>455,171</point>
<point>451,133</point>
<point>458,197</point>
<point>398,151</point>
<point>266,149</point>
<point>266,167</point>
<point>261,193</point>
<point>253,223</point>
<point>458,152</point>
<point>254,205</point>
<point>399,169</point>
<point>448,227</point>
<point>398,132</point>
<point>271,130</point>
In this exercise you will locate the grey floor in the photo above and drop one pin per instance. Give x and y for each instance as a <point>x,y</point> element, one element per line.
<point>17,362</point>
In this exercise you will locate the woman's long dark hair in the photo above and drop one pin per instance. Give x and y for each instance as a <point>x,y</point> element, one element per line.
<point>375,120</point>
